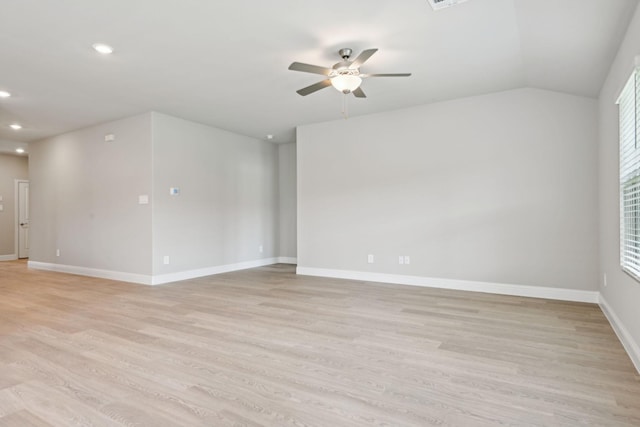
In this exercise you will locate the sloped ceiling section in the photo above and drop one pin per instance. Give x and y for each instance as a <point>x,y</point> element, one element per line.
<point>568,46</point>
<point>225,63</point>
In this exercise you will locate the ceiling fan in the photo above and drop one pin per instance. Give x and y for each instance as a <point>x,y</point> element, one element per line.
<point>345,75</point>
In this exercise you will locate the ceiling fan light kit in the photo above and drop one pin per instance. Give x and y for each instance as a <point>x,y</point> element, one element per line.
<point>345,75</point>
<point>443,4</point>
<point>346,83</point>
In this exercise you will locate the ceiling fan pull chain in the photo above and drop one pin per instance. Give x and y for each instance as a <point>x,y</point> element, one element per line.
<point>345,113</point>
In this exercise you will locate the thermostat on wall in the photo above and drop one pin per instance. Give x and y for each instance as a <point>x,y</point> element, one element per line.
<point>174,191</point>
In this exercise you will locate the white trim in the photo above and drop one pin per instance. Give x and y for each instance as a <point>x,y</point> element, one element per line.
<point>209,271</point>
<point>158,279</point>
<point>11,257</point>
<point>92,272</point>
<point>16,213</point>
<point>287,260</point>
<point>629,344</point>
<point>460,285</point>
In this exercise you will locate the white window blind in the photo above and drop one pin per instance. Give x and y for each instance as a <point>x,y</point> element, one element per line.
<point>629,104</point>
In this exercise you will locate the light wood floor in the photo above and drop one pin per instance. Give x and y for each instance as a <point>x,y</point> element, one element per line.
<point>265,347</point>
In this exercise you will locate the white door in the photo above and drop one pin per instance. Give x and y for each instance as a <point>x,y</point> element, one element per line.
<point>23,219</point>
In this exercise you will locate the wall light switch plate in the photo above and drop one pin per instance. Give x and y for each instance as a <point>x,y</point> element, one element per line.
<point>407,260</point>
<point>143,199</point>
<point>109,137</point>
<point>370,259</point>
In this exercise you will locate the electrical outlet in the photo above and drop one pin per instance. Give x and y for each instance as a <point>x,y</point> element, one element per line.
<point>165,260</point>
<point>57,252</point>
<point>261,249</point>
<point>407,259</point>
<point>400,259</point>
<point>370,259</point>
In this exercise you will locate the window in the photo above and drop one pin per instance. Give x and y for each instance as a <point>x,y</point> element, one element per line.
<point>629,104</point>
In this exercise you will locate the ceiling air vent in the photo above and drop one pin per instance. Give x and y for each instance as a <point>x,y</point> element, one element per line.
<point>441,4</point>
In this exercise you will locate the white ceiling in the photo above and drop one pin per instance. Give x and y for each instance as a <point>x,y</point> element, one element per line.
<point>224,63</point>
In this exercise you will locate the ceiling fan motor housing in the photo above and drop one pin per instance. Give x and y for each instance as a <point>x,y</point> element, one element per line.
<point>342,69</point>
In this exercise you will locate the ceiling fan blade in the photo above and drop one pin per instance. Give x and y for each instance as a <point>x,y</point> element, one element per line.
<point>308,68</point>
<point>359,93</point>
<point>314,87</point>
<point>386,75</point>
<point>366,54</point>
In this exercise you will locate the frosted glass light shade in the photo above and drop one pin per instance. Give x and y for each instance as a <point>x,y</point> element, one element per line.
<point>346,83</point>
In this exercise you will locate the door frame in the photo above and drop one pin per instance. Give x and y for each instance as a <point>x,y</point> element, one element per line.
<point>16,223</point>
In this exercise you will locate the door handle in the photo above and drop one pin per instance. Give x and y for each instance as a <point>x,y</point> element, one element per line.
<point>22,224</point>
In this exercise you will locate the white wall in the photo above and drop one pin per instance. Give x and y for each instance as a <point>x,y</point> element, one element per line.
<point>84,198</point>
<point>228,202</point>
<point>496,188</point>
<point>287,200</point>
<point>11,168</point>
<point>622,293</point>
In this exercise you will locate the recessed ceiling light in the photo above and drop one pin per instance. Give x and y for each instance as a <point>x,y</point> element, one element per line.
<point>102,48</point>
<point>4,94</point>
<point>15,126</point>
<point>20,150</point>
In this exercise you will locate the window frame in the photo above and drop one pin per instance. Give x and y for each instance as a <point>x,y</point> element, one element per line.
<point>629,176</point>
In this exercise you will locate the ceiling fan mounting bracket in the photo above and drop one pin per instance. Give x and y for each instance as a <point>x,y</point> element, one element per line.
<point>345,53</point>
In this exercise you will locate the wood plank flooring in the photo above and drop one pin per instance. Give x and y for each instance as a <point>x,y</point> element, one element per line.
<point>264,347</point>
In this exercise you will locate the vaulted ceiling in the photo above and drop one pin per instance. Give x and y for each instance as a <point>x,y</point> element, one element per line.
<point>224,63</point>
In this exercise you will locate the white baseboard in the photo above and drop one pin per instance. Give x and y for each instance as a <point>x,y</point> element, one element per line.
<point>92,272</point>
<point>11,257</point>
<point>158,279</point>
<point>209,271</point>
<point>629,344</point>
<point>460,285</point>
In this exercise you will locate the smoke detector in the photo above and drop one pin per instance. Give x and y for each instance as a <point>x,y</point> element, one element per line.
<point>442,4</point>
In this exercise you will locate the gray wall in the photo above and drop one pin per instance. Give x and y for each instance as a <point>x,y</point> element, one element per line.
<point>622,292</point>
<point>228,202</point>
<point>287,200</point>
<point>11,168</point>
<point>496,188</point>
<point>84,197</point>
